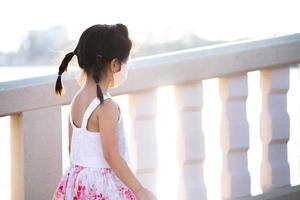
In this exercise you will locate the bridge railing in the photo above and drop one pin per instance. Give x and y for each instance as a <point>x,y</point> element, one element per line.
<point>36,122</point>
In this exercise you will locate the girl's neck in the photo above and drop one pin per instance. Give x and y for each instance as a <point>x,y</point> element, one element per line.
<point>90,83</point>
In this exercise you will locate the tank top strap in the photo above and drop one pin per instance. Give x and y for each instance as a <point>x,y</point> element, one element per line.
<point>95,102</point>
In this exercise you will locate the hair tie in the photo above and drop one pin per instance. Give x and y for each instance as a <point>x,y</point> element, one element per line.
<point>99,56</point>
<point>59,74</point>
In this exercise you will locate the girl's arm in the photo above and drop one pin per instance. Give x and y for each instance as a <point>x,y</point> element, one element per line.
<point>70,135</point>
<point>108,118</point>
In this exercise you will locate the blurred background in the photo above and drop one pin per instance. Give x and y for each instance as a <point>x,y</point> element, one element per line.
<point>39,33</point>
<point>35,36</point>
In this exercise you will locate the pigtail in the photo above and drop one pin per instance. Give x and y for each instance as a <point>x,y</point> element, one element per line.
<point>96,76</point>
<point>63,67</point>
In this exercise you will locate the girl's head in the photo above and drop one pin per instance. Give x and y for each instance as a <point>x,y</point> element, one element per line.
<point>100,48</point>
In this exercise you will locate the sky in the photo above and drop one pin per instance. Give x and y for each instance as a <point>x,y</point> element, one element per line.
<point>166,20</point>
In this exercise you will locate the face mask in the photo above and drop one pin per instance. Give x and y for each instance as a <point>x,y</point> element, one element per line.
<point>119,77</point>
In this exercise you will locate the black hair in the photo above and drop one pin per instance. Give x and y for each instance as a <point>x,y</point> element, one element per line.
<point>97,46</point>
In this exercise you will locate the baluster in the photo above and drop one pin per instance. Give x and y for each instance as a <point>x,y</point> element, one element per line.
<point>234,136</point>
<point>274,128</point>
<point>190,141</point>
<point>36,146</point>
<point>142,110</point>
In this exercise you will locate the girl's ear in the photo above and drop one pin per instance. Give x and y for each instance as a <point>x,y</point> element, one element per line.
<point>115,65</point>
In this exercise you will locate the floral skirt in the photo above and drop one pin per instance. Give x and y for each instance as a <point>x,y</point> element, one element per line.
<point>86,183</point>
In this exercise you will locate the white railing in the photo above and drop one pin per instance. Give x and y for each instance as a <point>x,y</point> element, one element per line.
<point>36,122</point>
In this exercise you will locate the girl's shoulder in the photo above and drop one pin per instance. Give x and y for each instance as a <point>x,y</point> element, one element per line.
<point>109,108</point>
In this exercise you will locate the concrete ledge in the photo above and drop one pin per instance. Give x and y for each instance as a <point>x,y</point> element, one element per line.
<point>284,193</point>
<point>35,93</point>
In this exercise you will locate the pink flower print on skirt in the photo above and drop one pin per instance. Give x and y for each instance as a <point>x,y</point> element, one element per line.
<point>84,183</point>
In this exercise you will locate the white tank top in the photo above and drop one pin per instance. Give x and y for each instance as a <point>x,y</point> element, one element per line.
<point>86,149</point>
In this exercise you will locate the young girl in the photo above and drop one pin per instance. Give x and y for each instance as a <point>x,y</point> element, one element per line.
<point>97,144</point>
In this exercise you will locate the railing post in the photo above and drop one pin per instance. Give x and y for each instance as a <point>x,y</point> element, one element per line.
<point>36,146</point>
<point>275,128</point>
<point>234,136</point>
<point>143,112</point>
<point>190,141</point>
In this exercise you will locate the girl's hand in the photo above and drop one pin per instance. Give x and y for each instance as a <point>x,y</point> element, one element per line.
<point>145,194</point>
